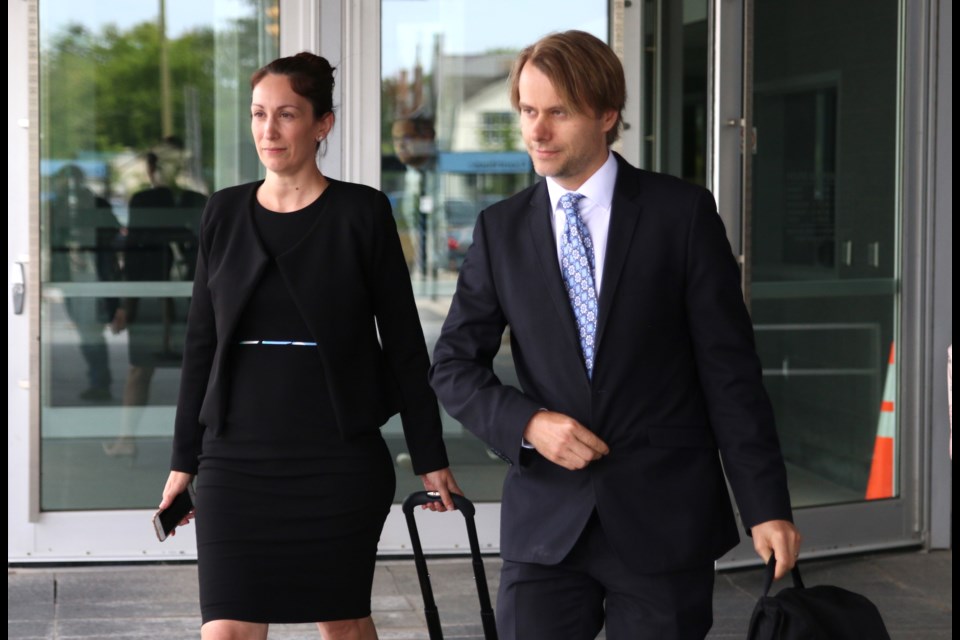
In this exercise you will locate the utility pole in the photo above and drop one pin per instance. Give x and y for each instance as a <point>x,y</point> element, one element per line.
<point>166,107</point>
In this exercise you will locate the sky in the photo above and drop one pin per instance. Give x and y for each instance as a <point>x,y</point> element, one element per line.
<point>475,26</point>
<point>181,15</point>
<point>470,26</point>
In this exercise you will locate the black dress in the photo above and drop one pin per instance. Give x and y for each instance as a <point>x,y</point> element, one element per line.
<point>288,514</point>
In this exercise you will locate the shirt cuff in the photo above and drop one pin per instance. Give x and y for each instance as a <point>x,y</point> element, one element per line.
<point>523,441</point>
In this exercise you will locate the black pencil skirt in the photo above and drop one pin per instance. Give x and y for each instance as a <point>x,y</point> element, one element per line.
<point>293,540</point>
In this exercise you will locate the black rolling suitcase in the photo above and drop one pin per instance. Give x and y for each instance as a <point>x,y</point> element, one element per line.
<point>465,507</point>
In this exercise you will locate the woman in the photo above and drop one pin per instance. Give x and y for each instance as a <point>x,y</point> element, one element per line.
<point>285,382</point>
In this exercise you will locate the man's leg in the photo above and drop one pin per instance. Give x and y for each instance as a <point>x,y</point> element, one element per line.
<point>554,602</point>
<point>664,606</point>
<point>668,606</point>
<point>93,346</point>
<point>540,602</point>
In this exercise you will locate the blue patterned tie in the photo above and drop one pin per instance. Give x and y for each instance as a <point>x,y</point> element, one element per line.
<point>576,262</point>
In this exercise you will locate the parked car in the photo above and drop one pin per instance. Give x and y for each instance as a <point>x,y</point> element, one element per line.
<point>461,219</point>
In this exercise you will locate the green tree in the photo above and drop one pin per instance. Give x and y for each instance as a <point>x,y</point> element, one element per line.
<point>100,93</point>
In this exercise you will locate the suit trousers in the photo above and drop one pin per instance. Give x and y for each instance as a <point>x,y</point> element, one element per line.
<point>591,587</point>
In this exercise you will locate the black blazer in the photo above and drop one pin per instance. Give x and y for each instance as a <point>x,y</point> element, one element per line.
<point>349,280</point>
<point>676,378</point>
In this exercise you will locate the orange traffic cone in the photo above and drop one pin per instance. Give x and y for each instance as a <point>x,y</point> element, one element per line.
<point>883,470</point>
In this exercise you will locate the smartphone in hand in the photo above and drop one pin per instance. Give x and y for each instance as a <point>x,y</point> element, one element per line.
<point>164,522</point>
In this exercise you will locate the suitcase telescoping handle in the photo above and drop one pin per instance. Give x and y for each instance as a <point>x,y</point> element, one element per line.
<point>466,508</point>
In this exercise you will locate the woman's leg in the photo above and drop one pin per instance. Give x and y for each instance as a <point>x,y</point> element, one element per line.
<point>136,393</point>
<point>356,629</point>
<point>233,630</point>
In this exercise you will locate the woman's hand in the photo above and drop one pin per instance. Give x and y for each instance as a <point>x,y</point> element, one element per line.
<point>177,483</point>
<point>119,321</point>
<point>443,482</point>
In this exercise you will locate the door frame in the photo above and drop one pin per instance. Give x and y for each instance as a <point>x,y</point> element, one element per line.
<point>22,434</point>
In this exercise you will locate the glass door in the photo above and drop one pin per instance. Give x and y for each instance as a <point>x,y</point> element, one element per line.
<point>823,251</point>
<point>142,114</point>
<point>790,113</point>
<point>449,147</point>
<point>818,146</point>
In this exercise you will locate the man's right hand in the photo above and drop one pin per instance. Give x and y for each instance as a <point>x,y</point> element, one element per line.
<point>563,441</point>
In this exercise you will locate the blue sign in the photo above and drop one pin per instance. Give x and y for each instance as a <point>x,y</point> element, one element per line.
<point>94,169</point>
<point>483,162</point>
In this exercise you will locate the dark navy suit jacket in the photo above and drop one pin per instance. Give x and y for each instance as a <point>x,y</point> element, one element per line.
<point>676,379</point>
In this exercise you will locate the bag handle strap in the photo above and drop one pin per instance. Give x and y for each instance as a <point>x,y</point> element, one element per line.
<point>768,575</point>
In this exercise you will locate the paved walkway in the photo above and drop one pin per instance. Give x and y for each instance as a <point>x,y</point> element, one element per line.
<point>913,589</point>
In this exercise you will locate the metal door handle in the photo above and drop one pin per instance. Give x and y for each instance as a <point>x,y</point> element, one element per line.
<point>18,287</point>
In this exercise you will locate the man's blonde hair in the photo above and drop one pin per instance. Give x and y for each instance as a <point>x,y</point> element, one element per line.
<point>584,71</point>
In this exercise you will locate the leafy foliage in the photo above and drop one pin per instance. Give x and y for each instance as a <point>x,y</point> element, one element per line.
<point>102,92</point>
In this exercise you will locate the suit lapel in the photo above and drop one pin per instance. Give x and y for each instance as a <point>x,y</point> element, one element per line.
<point>625,211</point>
<point>545,245</point>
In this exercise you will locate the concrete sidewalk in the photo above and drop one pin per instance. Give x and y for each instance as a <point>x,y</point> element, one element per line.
<point>913,590</point>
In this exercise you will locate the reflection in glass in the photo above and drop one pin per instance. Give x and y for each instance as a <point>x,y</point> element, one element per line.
<point>450,145</point>
<point>84,247</point>
<point>141,116</point>
<point>161,245</point>
<point>824,261</point>
<point>673,113</point>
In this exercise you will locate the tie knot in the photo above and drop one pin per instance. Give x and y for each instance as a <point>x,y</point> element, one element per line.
<point>570,202</point>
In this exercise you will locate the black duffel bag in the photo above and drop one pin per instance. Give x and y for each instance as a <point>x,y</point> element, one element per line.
<point>818,613</point>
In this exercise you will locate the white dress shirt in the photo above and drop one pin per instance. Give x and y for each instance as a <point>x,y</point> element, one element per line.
<point>594,208</point>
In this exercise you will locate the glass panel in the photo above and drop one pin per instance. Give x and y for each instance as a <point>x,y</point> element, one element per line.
<point>674,71</point>
<point>824,249</point>
<point>143,112</point>
<point>451,146</point>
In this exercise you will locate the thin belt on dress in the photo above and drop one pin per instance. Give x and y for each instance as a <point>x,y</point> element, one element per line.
<point>292,343</point>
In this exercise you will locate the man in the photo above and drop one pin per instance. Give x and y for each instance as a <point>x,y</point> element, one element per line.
<point>615,505</point>
<point>84,244</point>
